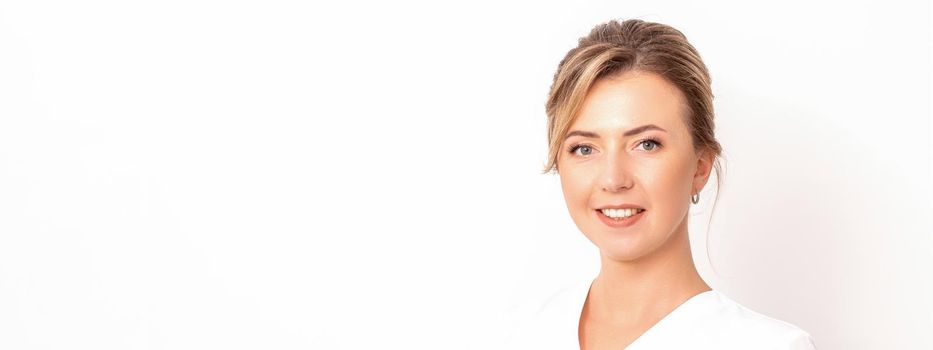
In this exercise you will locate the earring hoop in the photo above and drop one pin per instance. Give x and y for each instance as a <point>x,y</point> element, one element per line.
<point>695,198</point>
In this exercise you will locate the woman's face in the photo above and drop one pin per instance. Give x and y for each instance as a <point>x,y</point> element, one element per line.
<point>630,147</point>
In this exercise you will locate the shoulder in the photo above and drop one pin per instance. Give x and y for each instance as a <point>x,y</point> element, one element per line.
<point>547,319</point>
<point>742,327</point>
<point>561,297</point>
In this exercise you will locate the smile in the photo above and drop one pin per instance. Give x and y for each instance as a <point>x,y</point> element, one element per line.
<point>620,217</point>
<point>620,213</point>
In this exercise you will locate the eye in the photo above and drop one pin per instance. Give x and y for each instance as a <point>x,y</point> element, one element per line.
<point>584,150</point>
<point>650,144</point>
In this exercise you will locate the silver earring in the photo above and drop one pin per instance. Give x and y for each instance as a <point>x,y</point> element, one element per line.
<point>695,198</point>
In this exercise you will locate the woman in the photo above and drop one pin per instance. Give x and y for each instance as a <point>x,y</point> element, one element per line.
<point>631,135</point>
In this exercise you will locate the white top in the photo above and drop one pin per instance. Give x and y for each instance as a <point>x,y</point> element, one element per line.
<point>709,320</point>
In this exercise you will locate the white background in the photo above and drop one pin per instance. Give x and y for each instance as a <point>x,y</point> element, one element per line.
<point>285,175</point>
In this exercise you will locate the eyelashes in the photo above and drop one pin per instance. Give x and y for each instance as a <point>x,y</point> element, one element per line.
<point>572,149</point>
<point>656,144</point>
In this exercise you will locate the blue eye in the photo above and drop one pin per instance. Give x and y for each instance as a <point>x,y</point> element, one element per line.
<point>654,144</point>
<point>587,150</point>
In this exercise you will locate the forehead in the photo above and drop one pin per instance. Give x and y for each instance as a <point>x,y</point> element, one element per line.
<point>620,102</point>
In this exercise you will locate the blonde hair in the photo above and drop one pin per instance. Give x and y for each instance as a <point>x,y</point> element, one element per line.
<point>633,45</point>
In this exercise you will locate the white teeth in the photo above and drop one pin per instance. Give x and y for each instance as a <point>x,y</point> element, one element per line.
<point>620,213</point>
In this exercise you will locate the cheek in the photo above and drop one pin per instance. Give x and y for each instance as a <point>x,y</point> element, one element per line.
<point>575,184</point>
<point>668,181</point>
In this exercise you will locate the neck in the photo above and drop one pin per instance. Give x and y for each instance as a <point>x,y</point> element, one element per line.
<point>649,287</point>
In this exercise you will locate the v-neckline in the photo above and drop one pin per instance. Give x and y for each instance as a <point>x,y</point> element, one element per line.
<point>640,339</point>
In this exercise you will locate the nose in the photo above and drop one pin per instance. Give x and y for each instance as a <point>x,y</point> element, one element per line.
<point>616,176</point>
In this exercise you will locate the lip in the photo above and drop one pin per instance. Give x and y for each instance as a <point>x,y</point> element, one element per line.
<point>629,221</point>
<point>620,206</point>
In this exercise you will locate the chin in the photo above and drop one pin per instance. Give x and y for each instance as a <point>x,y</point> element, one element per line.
<point>624,246</point>
<point>624,250</point>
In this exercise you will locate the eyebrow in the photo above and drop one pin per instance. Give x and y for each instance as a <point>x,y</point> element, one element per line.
<point>631,132</point>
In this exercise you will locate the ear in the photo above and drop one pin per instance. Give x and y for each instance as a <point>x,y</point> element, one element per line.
<point>704,167</point>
